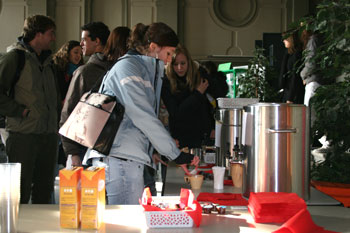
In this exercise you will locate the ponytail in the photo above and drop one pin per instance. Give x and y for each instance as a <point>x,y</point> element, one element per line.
<point>158,33</point>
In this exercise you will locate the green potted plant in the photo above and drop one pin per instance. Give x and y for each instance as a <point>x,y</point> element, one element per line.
<point>258,80</point>
<point>332,102</point>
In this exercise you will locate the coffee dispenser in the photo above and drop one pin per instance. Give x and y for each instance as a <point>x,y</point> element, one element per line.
<point>228,134</point>
<point>228,128</point>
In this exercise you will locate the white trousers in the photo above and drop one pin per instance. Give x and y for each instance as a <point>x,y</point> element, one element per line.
<point>4,135</point>
<point>310,90</point>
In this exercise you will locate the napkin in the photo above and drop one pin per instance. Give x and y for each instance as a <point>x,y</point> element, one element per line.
<point>206,166</point>
<point>274,207</point>
<point>301,223</point>
<point>228,199</point>
<point>228,182</point>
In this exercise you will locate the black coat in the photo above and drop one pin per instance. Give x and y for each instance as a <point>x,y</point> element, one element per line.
<point>190,114</point>
<point>217,83</point>
<point>290,80</point>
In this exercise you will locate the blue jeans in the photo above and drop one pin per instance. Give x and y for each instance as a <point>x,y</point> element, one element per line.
<point>124,181</point>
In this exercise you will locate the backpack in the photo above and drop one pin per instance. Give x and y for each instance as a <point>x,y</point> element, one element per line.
<point>20,66</point>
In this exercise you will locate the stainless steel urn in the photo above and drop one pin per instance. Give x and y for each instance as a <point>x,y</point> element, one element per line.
<point>276,138</point>
<point>228,133</point>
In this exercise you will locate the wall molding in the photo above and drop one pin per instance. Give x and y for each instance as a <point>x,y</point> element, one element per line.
<point>220,15</point>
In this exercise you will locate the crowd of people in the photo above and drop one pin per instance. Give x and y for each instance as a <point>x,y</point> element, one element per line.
<point>147,70</point>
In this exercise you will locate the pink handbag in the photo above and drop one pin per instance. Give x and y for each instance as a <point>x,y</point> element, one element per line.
<point>94,122</point>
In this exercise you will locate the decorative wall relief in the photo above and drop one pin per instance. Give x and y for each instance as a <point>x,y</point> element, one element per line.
<point>232,14</point>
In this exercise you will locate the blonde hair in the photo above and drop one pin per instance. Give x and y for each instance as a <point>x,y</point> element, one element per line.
<point>192,75</point>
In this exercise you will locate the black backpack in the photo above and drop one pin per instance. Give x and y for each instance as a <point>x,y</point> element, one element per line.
<point>20,66</point>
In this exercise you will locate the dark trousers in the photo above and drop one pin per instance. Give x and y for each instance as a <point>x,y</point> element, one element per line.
<point>149,179</point>
<point>149,175</point>
<point>37,154</point>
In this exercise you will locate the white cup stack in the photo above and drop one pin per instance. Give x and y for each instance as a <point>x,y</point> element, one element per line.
<point>10,174</point>
<point>218,173</point>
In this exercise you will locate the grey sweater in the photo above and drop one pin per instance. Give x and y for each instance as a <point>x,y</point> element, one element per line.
<point>308,73</point>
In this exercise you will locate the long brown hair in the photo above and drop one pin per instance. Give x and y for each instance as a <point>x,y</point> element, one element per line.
<point>192,75</point>
<point>117,43</point>
<point>305,37</point>
<point>159,33</point>
<point>294,39</point>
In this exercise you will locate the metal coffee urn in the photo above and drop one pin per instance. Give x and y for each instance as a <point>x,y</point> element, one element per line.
<point>230,120</point>
<point>277,148</point>
<point>228,128</point>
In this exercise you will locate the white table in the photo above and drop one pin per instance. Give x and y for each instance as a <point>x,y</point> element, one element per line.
<point>325,211</point>
<point>130,219</point>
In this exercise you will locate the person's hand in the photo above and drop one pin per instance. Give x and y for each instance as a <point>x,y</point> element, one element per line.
<point>187,172</point>
<point>289,102</point>
<point>195,161</point>
<point>202,87</point>
<point>184,167</point>
<point>156,159</point>
<point>76,162</point>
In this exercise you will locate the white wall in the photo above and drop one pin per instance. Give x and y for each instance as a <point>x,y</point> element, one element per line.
<point>111,12</point>
<point>12,15</point>
<point>69,17</point>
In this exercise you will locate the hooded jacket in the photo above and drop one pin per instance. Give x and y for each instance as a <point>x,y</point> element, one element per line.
<point>35,90</point>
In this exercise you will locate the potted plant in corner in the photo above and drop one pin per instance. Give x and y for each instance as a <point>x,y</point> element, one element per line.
<point>332,102</point>
<point>258,80</point>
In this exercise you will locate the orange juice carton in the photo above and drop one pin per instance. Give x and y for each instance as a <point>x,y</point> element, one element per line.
<point>70,197</point>
<point>93,199</point>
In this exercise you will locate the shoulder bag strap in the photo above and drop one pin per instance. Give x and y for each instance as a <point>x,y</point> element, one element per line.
<point>20,66</point>
<point>96,86</point>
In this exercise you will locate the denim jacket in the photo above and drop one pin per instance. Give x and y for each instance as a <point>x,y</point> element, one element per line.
<point>136,81</point>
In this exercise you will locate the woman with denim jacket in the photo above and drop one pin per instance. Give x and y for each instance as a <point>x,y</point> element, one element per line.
<point>136,81</point>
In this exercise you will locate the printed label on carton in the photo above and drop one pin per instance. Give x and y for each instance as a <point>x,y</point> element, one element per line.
<point>70,197</point>
<point>92,198</point>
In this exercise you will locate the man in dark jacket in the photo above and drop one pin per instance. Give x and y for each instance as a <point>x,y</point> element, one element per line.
<point>93,40</point>
<point>32,109</point>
